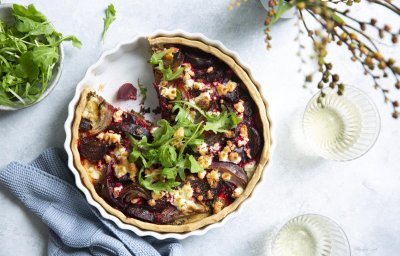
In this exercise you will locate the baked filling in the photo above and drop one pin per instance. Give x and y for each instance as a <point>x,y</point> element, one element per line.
<point>194,162</point>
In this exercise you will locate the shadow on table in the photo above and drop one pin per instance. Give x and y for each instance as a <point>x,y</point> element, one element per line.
<point>6,113</point>
<point>293,148</point>
<point>246,22</point>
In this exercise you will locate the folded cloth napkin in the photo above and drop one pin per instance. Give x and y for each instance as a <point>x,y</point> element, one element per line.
<point>46,187</point>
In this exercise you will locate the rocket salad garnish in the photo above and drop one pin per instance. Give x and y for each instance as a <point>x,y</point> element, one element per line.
<point>28,54</point>
<point>173,145</point>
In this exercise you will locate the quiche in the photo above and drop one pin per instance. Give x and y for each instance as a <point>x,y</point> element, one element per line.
<point>193,166</point>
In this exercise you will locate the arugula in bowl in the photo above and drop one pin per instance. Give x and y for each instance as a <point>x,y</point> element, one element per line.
<point>29,54</point>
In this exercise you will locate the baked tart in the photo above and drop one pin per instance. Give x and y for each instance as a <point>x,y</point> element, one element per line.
<point>193,166</point>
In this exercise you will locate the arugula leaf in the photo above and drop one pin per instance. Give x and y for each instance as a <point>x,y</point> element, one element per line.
<point>163,133</point>
<point>157,57</point>
<point>157,186</point>
<point>110,18</point>
<point>194,165</point>
<point>29,12</point>
<point>26,67</point>
<point>74,40</point>
<point>169,173</point>
<point>169,75</point>
<point>44,56</point>
<point>143,91</point>
<point>168,155</point>
<point>224,122</point>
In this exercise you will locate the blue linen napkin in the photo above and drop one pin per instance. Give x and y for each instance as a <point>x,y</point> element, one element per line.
<point>46,187</point>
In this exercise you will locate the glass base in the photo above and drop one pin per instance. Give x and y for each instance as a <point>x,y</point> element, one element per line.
<point>309,235</point>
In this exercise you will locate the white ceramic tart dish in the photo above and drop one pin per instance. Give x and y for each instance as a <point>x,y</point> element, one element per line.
<point>128,63</point>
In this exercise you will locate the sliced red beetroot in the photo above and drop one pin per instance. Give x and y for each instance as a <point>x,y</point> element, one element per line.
<point>238,175</point>
<point>199,60</point>
<point>127,92</point>
<point>140,213</point>
<point>167,215</point>
<point>224,195</point>
<point>211,138</point>
<point>136,131</point>
<point>92,149</point>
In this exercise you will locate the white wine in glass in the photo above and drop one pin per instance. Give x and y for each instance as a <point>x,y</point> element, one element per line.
<point>341,127</point>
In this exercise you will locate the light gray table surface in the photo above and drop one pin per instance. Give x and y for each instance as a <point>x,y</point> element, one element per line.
<point>363,195</point>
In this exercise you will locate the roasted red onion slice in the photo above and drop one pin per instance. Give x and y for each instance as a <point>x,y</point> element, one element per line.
<point>136,131</point>
<point>168,215</point>
<point>127,92</point>
<point>132,191</point>
<point>254,142</point>
<point>238,175</point>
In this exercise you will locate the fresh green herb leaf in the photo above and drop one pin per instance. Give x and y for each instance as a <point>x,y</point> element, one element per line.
<point>74,40</point>
<point>149,182</point>
<point>168,155</point>
<point>163,133</point>
<point>110,18</point>
<point>26,25</point>
<point>157,57</point>
<point>169,173</point>
<point>169,75</point>
<point>194,165</point>
<point>143,91</point>
<point>222,123</point>
<point>134,155</point>
<point>29,12</point>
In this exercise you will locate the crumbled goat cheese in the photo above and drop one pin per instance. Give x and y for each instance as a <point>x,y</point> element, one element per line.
<point>117,116</point>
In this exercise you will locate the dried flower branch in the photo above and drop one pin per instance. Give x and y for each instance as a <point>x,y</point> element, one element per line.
<point>339,26</point>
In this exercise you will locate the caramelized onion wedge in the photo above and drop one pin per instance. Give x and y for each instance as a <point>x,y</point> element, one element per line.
<point>106,116</point>
<point>238,175</point>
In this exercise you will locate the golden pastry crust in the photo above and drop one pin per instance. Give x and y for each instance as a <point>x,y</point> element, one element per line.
<point>200,220</point>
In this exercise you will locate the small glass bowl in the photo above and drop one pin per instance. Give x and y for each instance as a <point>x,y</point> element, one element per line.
<point>309,235</point>
<point>6,16</point>
<point>343,127</point>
